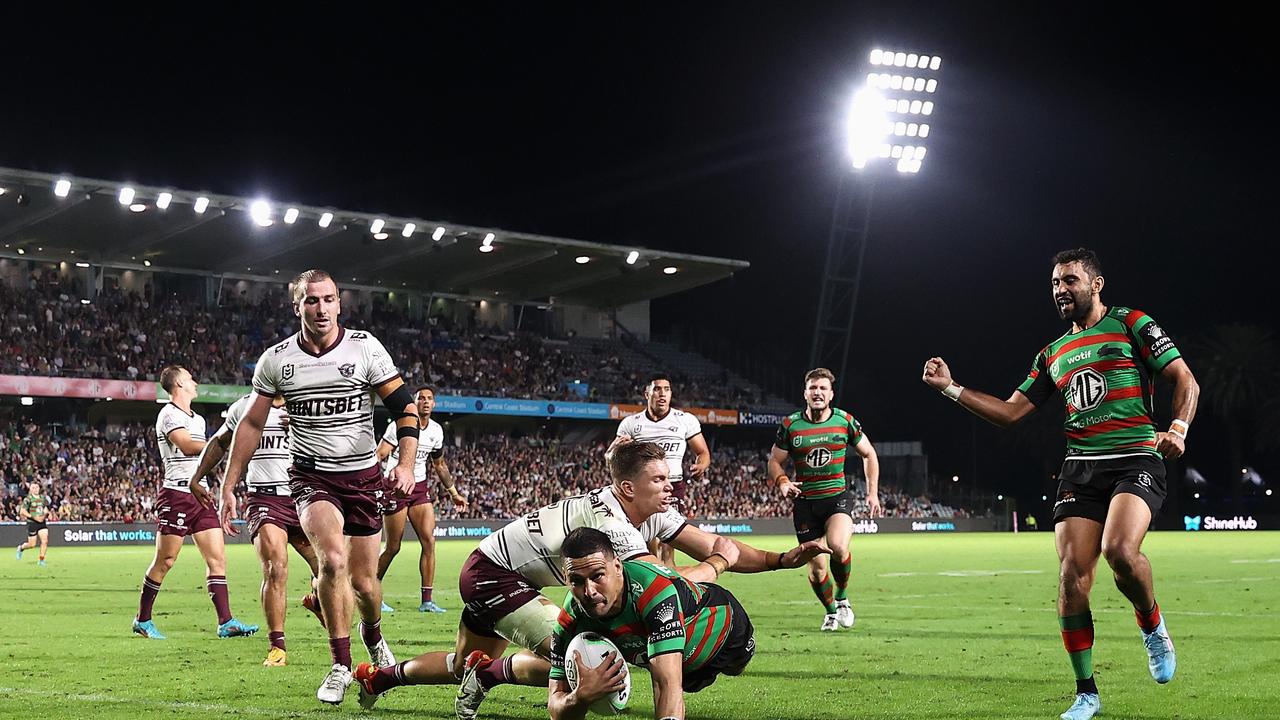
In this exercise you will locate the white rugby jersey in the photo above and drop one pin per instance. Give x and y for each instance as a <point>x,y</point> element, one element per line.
<point>178,467</point>
<point>329,397</point>
<point>269,466</point>
<point>430,445</point>
<point>672,433</point>
<point>531,545</point>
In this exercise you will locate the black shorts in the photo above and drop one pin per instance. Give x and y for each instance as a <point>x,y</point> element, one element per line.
<point>35,526</point>
<point>735,653</point>
<point>1085,487</point>
<point>810,516</point>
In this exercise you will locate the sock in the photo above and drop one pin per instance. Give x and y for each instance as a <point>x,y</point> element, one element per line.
<point>824,590</point>
<point>1148,620</point>
<point>390,677</point>
<point>1077,637</point>
<point>150,588</point>
<point>495,672</point>
<point>340,649</point>
<point>217,586</point>
<point>426,593</point>
<point>841,569</point>
<point>371,634</point>
<point>277,639</point>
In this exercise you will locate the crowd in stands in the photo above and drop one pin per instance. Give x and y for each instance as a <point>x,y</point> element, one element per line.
<point>113,475</point>
<point>48,331</point>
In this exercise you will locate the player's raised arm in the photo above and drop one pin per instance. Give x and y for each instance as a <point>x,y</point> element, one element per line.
<point>396,398</point>
<point>988,407</point>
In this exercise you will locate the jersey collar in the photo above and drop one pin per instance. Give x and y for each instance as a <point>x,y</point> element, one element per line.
<point>342,332</point>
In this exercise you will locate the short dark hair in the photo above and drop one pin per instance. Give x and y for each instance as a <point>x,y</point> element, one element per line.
<point>586,541</point>
<point>1087,258</point>
<point>817,373</point>
<point>655,378</point>
<point>169,377</point>
<point>429,388</point>
<point>628,458</point>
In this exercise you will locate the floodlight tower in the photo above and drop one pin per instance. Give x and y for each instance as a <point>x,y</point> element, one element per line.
<point>887,130</point>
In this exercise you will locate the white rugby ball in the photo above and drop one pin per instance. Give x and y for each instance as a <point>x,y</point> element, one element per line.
<point>593,647</point>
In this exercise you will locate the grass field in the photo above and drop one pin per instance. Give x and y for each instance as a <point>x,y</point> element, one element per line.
<point>948,627</point>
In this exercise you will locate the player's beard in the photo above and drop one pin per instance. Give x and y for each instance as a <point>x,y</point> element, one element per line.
<point>1079,309</point>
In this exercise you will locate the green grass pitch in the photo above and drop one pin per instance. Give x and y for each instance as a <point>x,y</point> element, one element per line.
<point>958,626</point>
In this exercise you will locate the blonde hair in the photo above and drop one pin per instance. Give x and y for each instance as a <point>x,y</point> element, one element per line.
<point>306,277</point>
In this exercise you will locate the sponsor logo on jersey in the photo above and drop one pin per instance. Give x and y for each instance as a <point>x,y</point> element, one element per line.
<point>818,457</point>
<point>665,613</point>
<point>1087,389</point>
<point>346,370</point>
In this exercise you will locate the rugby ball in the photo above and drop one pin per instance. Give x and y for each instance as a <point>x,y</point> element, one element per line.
<point>593,647</point>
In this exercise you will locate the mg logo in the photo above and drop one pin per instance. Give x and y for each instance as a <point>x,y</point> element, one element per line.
<point>1087,389</point>
<point>1192,523</point>
<point>818,457</point>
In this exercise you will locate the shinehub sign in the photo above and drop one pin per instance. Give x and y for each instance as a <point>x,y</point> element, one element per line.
<point>1195,523</point>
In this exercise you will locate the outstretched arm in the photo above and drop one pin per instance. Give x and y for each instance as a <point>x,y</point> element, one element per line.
<point>988,407</point>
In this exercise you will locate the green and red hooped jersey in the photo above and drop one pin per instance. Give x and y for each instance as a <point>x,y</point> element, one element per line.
<point>818,451</point>
<point>661,613</point>
<point>1104,376</point>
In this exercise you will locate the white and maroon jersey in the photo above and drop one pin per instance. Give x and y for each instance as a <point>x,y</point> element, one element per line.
<point>269,467</point>
<point>671,433</point>
<point>430,446</point>
<point>178,467</point>
<point>329,397</point>
<point>531,545</point>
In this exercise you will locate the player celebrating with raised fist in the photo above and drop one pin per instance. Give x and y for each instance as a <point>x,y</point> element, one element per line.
<point>1112,480</point>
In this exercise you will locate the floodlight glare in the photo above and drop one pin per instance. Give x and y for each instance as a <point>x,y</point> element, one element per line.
<point>924,62</point>
<point>877,56</point>
<point>926,108</point>
<point>290,216</point>
<point>202,204</point>
<point>900,129</point>
<point>935,63</point>
<point>439,233</point>
<point>903,106</point>
<point>912,129</point>
<point>488,239</point>
<point>163,200</point>
<point>669,270</point>
<point>28,401</point>
<point>924,131</point>
<point>920,152</point>
<point>911,59</point>
<point>126,196</point>
<point>931,86</point>
<point>919,84</point>
<point>582,259</point>
<point>865,125</point>
<point>914,108</point>
<point>380,236</point>
<point>146,263</point>
<point>62,188</point>
<point>408,230</point>
<point>899,59</point>
<point>376,226</point>
<point>82,264</point>
<point>885,149</point>
<point>632,257</point>
<point>137,207</point>
<point>896,152</point>
<point>325,219</point>
<point>260,211</point>
<point>895,82</point>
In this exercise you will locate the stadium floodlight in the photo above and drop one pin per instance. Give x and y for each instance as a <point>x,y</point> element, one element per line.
<point>22,251</point>
<point>325,219</point>
<point>291,216</point>
<point>260,211</point>
<point>146,263</point>
<point>62,188</point>
<point>137,207</point>
<point>202,204</point>
<point>438,233</point>
<point>582,259</point>
<point>877,56</point>
<point>935,63</point>
<point>376,226</point>
<point>28,401</point>
<point>632,257</point>
<point>899,59</point>
<point>84,301</point>
<point>670,270</point>
<point>82,264</point>
<point>163,200</point>
<point>408,230</point>
<point>865,125</point>
<point>126,195</point>
<point>380,236</point>
<point>931,86</point>
<point>487,245</point>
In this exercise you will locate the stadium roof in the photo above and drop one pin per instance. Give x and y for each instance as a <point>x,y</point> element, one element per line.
<point>61,218</point>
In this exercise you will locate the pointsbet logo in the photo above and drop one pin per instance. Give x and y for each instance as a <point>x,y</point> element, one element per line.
<point>1209,522</point>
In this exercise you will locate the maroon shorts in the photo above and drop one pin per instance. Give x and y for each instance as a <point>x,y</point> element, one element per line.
<point>355,494</point>
<point>392,503</point>
<point>262,508</point>
<point>178,513</point>
<point>680,491</point>
<point>490,592</point>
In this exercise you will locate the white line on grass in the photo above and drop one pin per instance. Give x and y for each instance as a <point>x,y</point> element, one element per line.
<point>964,573</point>
<point>987,609</point>
<point>1268,560</point>
<point>175,704</point>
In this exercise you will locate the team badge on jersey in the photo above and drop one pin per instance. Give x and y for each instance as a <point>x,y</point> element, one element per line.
<point>796,441</point>
<point>347,369</point>
<point>286,371</point>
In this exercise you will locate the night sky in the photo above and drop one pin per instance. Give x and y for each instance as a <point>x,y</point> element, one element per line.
<point>717,131</point>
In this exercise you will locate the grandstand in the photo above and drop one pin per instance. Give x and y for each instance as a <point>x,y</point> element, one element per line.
<point>96,295</point>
